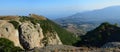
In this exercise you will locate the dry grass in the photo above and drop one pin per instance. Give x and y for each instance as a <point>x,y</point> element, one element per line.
<point>17,17</point>
<point>37,17</point>
<point>9,17</point>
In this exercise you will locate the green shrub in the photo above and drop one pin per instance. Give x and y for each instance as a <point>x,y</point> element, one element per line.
<point>66,37</point>
<point>23,18</point>
<point>15,23</point>
<point>46,26</point>
<point>8,46</point>
<point>26,18</point>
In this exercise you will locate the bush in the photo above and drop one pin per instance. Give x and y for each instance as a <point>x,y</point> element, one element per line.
<point>15,23</point>
<point>8,46</point>
<point>24,18</point>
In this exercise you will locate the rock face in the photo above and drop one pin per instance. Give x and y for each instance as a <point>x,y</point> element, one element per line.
<point>28,35</point>
<point>8,31</point>
<point>51,39</point>
<point>32,36</point>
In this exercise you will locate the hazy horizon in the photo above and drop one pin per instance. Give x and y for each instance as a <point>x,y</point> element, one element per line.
<point>53,8</point>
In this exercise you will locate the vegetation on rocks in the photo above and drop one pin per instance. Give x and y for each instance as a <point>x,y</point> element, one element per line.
<point>66,37</point>
<point>8,46</point>
<point>47,26</point>
<point>15,24</point>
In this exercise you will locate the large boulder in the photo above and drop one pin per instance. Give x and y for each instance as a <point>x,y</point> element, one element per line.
<point>8,31</point>
<point>31,36</point>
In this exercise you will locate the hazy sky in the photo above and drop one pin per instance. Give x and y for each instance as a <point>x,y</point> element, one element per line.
<point>52,8</point>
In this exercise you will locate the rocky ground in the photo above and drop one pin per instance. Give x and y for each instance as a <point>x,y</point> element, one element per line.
<point>65,48</point>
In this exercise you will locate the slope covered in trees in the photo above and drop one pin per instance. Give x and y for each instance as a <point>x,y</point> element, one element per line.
<point>104,33</point>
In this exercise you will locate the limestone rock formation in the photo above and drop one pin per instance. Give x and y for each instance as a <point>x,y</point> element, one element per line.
<point>8,31</point>
<point>32,36</point>
<point>51,38</point>
<point>27,35</point>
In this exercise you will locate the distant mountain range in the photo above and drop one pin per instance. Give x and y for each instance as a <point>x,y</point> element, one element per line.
<point>91,19</point>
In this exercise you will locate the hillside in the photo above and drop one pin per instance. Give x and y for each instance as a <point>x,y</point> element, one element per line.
<point>101,35</point>
<point>33,31</point>
<point>89,20</point>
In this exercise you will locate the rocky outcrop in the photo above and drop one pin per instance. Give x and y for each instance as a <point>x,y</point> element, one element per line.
<point>32,36</point>
<point>27,35</point>
<point>51,38</point>
<point>8,31</point>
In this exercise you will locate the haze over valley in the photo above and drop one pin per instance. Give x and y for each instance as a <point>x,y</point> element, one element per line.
<point>89,20</point>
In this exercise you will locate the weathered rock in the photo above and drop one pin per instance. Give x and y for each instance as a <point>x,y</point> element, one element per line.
<point>8,31</point>
<point>31,36</point>
<point>26,34</point>
<point>51,38</point>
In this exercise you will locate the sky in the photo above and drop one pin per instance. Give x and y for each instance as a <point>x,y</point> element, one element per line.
<point>52,8</point>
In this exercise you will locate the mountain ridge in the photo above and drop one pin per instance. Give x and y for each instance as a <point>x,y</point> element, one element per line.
<point>89,20</point>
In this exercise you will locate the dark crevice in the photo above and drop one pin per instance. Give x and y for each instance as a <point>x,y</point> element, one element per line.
<point>6,29</point>
<point>23,43</point>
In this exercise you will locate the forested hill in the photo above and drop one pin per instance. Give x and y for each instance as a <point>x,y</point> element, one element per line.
<point>105,33</point>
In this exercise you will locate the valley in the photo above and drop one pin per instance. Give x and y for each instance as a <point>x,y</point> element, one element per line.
<point>89,20</point>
